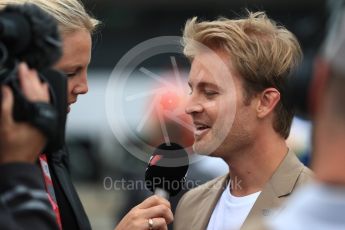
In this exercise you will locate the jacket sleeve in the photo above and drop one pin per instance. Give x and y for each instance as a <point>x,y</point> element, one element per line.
<point>24,203</point>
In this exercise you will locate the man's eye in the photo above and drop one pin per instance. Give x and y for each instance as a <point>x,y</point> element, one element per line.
<point>210,93</point>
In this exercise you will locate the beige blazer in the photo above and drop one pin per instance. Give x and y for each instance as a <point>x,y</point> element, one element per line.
<point>196,206</point>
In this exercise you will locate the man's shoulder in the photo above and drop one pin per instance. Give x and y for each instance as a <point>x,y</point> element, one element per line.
<point>290,174</point>
<point>306,176</point>
<point>307,172</point>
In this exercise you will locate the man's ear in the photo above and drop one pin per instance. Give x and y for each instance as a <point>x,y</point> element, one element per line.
<point>267,101</point>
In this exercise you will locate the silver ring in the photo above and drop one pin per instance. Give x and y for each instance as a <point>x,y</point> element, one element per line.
<point>150,224</point>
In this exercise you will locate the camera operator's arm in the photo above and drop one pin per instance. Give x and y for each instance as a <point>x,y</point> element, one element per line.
<point>20,141</point>
<point>24,203</point>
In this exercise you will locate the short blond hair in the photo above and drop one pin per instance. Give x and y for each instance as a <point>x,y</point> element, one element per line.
<point>261,52</point>
<point>70,14</point>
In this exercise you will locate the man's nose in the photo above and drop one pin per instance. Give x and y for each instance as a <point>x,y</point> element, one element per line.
<point>193,106</point>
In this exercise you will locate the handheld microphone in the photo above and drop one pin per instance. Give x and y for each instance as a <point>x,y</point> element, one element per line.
<point>166,171</point>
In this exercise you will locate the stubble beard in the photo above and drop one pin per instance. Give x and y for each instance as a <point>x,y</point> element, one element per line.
<point>211,143</point>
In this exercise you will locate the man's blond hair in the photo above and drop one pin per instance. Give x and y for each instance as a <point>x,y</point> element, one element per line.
<point>261,52</point>
<point>70,14</point>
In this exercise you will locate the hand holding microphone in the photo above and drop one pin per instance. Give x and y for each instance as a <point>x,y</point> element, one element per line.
<point>165,176</point>
<point>153,213</point>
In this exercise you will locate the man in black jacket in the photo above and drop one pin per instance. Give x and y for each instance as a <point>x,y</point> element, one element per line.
<point>24,203</point>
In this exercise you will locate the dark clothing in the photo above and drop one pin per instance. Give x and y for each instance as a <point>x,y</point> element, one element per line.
<point>72,213</point>
<point>24,203</point>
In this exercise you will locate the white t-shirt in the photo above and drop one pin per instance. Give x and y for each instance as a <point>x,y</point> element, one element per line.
<point>231,211</point>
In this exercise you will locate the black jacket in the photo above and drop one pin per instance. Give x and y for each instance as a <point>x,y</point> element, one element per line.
<point>24,202</point>
<point>72,213</point>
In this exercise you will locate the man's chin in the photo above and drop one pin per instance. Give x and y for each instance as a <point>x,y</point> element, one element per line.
<point>207,148</point>
<point>202,149</point>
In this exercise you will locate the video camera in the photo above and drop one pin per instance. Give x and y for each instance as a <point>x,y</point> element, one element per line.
<point>28,34</point>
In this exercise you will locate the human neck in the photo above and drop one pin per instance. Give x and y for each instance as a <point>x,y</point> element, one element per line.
<point>251,167</point>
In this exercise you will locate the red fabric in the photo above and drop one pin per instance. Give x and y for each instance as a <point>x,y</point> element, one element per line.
<point>49,184</point>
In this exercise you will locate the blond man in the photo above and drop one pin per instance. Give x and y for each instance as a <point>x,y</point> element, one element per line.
<point>238,106</point>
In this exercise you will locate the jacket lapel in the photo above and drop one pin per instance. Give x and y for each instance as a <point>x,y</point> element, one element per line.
<point>208,203</point>
<point>276,190</point>
<point>64,180</point>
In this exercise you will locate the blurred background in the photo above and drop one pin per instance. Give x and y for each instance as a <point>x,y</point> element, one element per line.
<point>99,162</point>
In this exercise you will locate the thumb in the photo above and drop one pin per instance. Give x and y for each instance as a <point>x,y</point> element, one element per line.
<point>6,105</point>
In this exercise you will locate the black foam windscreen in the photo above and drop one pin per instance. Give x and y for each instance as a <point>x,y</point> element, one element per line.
<point>167,168</point>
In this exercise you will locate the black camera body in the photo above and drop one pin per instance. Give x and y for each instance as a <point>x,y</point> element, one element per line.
<point>28,34</point>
